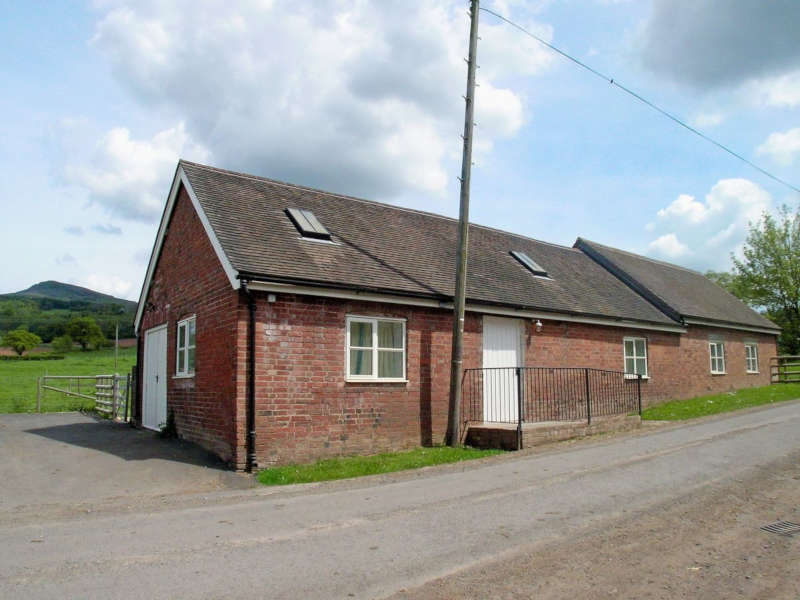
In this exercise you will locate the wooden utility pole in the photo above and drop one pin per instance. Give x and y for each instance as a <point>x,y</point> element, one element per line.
<point>454,413</point>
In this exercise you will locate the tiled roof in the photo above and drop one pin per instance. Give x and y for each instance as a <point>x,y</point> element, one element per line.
<point>679,291</point>
<point>385,248</point>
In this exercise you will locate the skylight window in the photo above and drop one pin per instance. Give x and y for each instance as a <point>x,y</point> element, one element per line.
<point>307,224</point>
<point>529,263</point>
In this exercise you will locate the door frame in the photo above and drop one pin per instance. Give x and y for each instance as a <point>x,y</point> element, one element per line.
<point>145,364</point>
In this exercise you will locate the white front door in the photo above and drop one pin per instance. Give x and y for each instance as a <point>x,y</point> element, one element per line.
<point>154,378</point>
<point>502,351</point>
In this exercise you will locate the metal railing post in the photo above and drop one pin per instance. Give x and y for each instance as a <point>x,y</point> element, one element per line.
<point>588,399</point>
<point>639,392</point>
<point>39,395</point>
<point>519,409</point>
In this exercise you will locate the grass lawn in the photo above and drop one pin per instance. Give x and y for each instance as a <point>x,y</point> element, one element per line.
<point>701,406</point>
<point>18,379</point>
<point>357,466</point>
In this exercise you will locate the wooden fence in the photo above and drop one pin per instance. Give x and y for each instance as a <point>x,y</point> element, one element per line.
<point>111,394</point>
<point>784,369</point>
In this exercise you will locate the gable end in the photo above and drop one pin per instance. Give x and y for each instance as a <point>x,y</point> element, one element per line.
<point>181,180</point>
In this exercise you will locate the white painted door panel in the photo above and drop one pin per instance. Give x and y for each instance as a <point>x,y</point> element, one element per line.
<point>502,350</point>
<point>154,373</point>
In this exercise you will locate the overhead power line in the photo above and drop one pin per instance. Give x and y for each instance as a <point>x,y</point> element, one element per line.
<point>642,99</point>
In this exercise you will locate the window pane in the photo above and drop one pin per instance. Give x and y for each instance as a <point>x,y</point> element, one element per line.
<point>639,347</point>
<point>629,365</point>
<point>390,364</point>
<point>628,348</point>
<point>192,326</point>
<point>641,366</point>
<point>181,368</point>
<point>360,362</point>
<point>182,335</point>
<point>190,366</point>
<point>390,334</point>
<point>360,334</point>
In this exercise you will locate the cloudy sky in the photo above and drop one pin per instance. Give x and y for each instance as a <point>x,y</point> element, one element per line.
<point>364,97</point>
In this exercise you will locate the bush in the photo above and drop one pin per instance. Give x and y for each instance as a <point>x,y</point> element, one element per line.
<point>63,344</point>
<point>43,356</point>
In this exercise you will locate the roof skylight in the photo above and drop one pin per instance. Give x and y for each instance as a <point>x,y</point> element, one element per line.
<point>307,224</point>
<point>529,263</point>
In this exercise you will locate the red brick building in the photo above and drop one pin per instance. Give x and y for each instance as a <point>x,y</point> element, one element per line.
<point>321,323</point>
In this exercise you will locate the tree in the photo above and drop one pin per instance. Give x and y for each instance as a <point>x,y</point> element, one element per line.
<point>768,276</point>
<point>21,340</point>
<point>86,332</point>
<point>725,280</point>
<point>63,344</point>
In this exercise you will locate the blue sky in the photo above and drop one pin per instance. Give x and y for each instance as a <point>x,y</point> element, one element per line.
<point>365,98</point>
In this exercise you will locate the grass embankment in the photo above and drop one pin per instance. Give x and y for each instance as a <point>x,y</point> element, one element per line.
<point>18,379</point>
<point>702,406</point>
<point>358,466</point>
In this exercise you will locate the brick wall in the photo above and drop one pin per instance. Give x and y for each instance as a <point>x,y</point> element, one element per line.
<point>678,364</point>
<point>304,407</point>
<point>189,280</point>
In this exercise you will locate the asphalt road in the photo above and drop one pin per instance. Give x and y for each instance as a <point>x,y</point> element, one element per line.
<point>374,538</point>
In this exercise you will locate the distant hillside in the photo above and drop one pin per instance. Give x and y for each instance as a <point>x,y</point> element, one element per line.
<point>56,290</point>
<point>46,308</point>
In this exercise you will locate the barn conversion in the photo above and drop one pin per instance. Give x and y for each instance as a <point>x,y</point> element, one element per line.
<point>279,323</point>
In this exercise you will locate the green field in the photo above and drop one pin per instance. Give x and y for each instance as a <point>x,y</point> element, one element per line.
<point>702,406</point>
<point>18,379</point>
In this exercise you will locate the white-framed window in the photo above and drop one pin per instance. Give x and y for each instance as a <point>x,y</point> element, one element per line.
<point>716,350</point>
<point>635,351</point>
<point>751,357</point>
<point>184,357</point>
<point>375,349</point>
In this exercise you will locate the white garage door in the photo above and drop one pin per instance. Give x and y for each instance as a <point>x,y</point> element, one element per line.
<point>502,348</point>
<point>154,378</point>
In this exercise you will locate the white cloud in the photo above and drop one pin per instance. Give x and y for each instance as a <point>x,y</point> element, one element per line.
<point>711,119</point>
<point>668,246</point>
<point>129,177</point>
<point>702,234</point>
<point>108,284</point>
<point>782,91</point>
<point>343,95</point>
<point>782,147</point>
<point>65,259</point>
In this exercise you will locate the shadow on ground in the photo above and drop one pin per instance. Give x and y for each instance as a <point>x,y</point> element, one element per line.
<point>128,443</point>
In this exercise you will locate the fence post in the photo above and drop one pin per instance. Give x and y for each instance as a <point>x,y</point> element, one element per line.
<point>519,408</point>
<point>38,394</point>
<point>115,396</point>
<point>588,399</point>
<point>639,392</point>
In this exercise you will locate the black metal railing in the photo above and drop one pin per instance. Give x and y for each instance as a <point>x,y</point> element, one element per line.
<point>520,395</point>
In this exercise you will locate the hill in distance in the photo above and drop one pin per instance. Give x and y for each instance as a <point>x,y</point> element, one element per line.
<point>56,290</point>
<point>45,309</point>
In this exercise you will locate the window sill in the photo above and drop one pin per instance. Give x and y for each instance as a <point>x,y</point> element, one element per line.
<point>719,372</point>
<point>183,376</point>
<point>634,377</point>
<point>753,372</point>
<point>375,380</point>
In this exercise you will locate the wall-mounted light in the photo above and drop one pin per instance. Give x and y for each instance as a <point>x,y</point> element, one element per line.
<point>271,298</point>
<point>538,325</point>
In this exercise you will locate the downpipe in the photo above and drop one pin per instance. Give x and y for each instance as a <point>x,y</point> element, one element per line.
<point>250,424</point>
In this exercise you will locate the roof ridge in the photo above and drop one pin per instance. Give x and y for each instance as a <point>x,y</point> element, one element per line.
<point>367,201</point>
<point>643,257</point>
